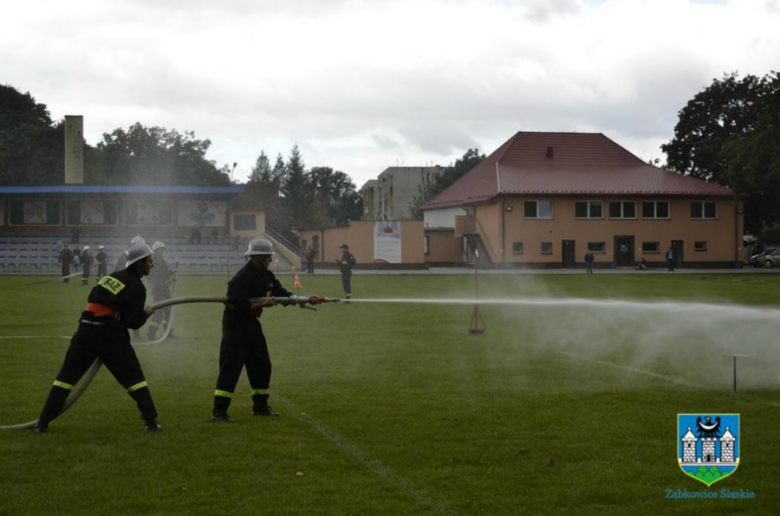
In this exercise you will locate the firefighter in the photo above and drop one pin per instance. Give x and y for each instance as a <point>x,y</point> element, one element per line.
<point>346,263</point>
<point>65,259</point>
<point>160,280</point>
<point>243,343</point>
<point>102,260</point>
<point>86,264</point>
<point>114,304</point>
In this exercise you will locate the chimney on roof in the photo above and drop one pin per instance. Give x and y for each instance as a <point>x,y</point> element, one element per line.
<point>549,152</point>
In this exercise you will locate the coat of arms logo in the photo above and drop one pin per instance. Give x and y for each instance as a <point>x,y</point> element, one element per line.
<point>708,445</point>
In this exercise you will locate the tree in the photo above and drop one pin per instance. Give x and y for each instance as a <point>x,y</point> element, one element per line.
<point>727,135</point>
<point>32,147</point>
<point>336,199</point>
<point>433,186</point>
<point>297,191</point>
<point>154,156</point>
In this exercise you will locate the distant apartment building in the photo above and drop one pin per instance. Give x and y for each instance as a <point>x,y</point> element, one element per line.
<point>389,196</point>
<point>368,192</point>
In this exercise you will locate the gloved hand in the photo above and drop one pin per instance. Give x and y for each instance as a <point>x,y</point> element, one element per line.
<point>257,308</point>
<point>316,300</point>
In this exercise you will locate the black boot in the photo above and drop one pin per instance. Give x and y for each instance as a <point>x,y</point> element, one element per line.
<point>260,406</point>
<point>152,425</point>
<point>221,416</point>
<point>41,428</point>
<point>143,398</point>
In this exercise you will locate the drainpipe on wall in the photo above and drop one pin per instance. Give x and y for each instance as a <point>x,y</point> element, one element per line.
<point>737,215</point>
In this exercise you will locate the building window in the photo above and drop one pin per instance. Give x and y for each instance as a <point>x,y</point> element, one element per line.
<point>588,209</point>
<point>597,247</point>
<point>92,213</point>
<point>704,210</point>
<point>651,247</point>
<point>546,247</point>
<point>147,213</point>
<point>426,245</point>
<point>34,213</point>
<point>622,210</point>
<point>655,210</point>
<point>700,246</point>
<point>538,209</point>
<point>244,222</point>
<point>517,248</point>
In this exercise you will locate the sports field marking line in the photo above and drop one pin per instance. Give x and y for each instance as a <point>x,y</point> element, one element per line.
<point>618,366</point>
<point>345,445</point>
<point>671,379</point>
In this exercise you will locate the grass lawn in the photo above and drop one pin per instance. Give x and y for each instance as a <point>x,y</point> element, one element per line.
<point>562,406</point>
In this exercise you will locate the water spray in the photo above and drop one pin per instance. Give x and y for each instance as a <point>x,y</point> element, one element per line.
<point>300,301</point>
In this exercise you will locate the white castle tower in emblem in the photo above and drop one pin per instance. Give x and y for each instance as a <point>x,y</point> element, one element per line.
<point>710,452</point>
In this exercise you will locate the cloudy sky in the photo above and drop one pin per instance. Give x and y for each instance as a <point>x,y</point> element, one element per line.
<point>361,85</point>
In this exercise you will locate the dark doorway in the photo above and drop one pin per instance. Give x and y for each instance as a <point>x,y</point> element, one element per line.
<point>677,247</point>
<point>624,251</point>
<point>569,259</point>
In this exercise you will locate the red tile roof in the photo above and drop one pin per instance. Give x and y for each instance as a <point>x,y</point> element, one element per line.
<point>581,164</point>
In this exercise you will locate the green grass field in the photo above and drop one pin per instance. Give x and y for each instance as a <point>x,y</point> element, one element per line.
<point>392,408</point>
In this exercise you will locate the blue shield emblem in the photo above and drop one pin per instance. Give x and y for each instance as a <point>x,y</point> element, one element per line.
<point>708,445</point>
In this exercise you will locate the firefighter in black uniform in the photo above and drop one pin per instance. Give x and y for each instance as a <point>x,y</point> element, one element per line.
<point>65,259</point>
<point>86,265</point>
<point>243,343</point>
<point>102,260</point>
<point>346,263</point>
<point>160,280</point>
<point>114,304</point>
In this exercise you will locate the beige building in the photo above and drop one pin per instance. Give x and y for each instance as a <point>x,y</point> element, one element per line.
<point>370,197</point>
<point>373,243</point>
<point>545,199</point>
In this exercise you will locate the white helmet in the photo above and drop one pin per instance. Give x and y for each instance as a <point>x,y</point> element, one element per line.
<point>101,247</point>
<point>260,246</point>
<point>138,240</point>
<point>137,252</point>
<point>158,245</point>
<point>86,248</point>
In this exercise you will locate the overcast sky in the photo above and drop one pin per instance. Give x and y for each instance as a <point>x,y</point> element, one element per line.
<point>362,85</point>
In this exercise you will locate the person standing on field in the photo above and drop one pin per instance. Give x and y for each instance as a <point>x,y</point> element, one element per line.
<point>102,260</point>
<point>65,259</point>
<point>115,304</point>
<point>346,263</point>
<point>86,264</point>
<point>589,262</point>
<point>243,342</point>
<point>670,259</point>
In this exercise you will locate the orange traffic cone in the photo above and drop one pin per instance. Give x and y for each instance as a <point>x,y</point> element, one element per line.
<point>296,280</point>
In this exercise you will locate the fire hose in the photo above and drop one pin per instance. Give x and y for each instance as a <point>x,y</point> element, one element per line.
<point>300,301</point>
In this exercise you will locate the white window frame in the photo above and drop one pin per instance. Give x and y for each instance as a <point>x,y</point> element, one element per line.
<point>537,217</point>
<point>622,217</point>
<point>700,246</point>
<point>655,210</point>
<point>704,211</point>
<point>588,205</point>
<point>546,252</point>
<point>515,246</point>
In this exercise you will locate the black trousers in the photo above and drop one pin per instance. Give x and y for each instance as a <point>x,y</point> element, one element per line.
<point>671,265</point>
<point>346,282</point>
<point>66,271</point>
<point>101,271</point>
<point>111,344</point>
<point>243,345</point>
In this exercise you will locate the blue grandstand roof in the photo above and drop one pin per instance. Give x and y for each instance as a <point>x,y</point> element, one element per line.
<point>121,189</point>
